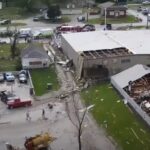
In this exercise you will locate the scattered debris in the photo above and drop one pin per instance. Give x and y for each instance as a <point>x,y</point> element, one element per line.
<point>102,99</point>
<point>142,131</point>
<point>118,101</point>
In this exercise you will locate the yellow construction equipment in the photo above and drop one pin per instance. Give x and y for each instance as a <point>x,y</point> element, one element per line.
<point>39,142</point>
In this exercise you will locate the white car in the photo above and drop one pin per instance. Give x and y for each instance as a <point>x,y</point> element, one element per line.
<point>22,78</point>
<point>146,2</point>
<point>9,76</point>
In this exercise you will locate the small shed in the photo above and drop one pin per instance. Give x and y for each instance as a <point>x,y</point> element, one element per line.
<point>34,57</point>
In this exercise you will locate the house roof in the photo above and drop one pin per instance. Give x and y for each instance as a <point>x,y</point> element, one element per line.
<point>136,72</point>
<point>34,51</point>
<point>137,41</point>
<point>117,8</point>
<point>106,4</point>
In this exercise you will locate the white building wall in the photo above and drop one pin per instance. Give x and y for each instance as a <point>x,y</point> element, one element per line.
<point>70,52</point>
<point>26,63</point>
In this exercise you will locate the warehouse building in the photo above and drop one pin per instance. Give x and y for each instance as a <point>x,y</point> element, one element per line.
<point>100,54</point>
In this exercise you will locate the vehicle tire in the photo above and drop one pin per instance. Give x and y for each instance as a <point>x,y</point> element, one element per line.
<point>10,107</point>
<point>27,105</point>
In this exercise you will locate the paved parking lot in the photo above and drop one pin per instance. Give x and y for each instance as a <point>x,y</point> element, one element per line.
<point>19,89</point>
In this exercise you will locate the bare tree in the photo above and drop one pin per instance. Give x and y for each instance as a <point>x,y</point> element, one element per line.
<point>13,42</point>
<point>77,118</point>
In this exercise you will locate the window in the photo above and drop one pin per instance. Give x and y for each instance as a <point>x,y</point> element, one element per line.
<point>111,13</point>
<point>35,63</point>
<point>125,60</point>
<point>121,13</point>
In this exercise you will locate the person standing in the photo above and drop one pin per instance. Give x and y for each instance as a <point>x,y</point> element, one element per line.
<point>28,116</point>
<point>43,113</point>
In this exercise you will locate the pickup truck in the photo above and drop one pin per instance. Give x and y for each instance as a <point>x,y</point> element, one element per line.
<point>18,103</point>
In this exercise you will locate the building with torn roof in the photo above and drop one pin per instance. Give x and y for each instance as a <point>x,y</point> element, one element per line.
<point>100,54</point>
<point>134,85</point>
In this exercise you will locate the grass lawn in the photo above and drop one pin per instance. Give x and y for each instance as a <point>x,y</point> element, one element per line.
<point>40,78</point>
<point>129,132</point>
<point>13,13</point>
<point>14,24</point>
<point>128,19</point>
<point>6,64</point>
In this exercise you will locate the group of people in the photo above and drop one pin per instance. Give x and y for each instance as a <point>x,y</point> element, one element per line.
<point>28,117</point>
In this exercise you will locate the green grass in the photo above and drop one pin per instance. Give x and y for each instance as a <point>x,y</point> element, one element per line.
<point>128,19</point>
<point>6,63</point>
<point>14,24</point>
<point>119,121</point>
<point>13,13</point>
<point>40,78</point>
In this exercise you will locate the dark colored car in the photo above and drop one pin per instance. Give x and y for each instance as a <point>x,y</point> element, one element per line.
<point>6,21</point>
<point>2,77</point>
<point>108,26</point>
<point>139,9</point>
<point>6,96</point>
<point>81,18</point>
<point>88,27</point>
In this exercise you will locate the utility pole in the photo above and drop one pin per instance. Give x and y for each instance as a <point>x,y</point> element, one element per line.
<point>105,10</point>
<point>147,20</point>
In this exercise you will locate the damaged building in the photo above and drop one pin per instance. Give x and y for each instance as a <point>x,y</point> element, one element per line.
<point>134,85</point>
<point>100,54</point>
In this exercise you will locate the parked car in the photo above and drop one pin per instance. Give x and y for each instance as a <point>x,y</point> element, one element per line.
<point>139,9</point>
<point>1,77</point>
<point>146,2</point>
<point>2,42</point>
<point>145,11</point>
<point>6,96</point>
<point>88,27</point>
<point>108,26</point>
<point>18,103</point>
<point>9,76</point>
<point>36,18</point>
<point>22,78</point>
<point>23,72</point>
<point>4,22</point>
<point>81,18</point>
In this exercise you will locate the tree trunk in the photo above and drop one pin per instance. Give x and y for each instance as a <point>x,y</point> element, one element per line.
<point>79,139</point>
<point>13,46</point>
